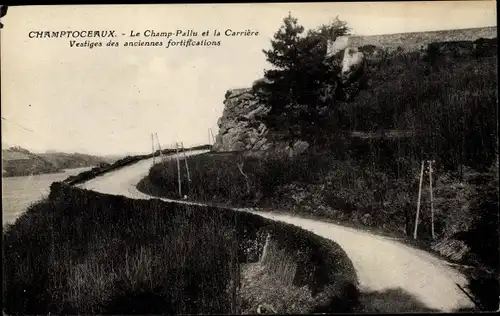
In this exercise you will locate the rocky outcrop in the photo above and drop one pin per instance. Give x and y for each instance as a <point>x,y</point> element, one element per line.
<point>352,61</point>
<point>241,128</point>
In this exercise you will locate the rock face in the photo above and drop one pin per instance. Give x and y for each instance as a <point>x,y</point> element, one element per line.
<point>352,61</point>
<point>240,127</point>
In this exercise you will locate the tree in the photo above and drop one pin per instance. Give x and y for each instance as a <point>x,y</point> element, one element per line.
<point>330,32</point>
<point>299,89</point>
<point>283,54</point>
<point>3,12</point>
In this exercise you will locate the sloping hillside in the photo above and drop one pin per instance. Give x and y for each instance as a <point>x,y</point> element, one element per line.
<point>415,40</point>
<point>73,160</point>
<point>17,161</point>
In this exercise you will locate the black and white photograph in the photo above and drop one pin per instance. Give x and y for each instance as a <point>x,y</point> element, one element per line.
<point>250,158</point>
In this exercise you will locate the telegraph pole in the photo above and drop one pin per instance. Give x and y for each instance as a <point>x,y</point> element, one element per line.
<point>178,168</point>
<point>213,138</point>
<point>153,147</point>
<point>418,201</point>
<point>159,147</point>
<point>185,160</point>
<point>431,197</point>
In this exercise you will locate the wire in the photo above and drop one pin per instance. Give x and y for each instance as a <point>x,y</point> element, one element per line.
<point>25,128</point>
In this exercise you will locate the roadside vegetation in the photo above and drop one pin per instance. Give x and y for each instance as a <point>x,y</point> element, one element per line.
<point>440,104</point>
<point>82,252</point>
<point>85,253</point>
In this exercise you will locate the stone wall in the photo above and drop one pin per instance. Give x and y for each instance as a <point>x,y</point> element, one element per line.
<point>411,41</point>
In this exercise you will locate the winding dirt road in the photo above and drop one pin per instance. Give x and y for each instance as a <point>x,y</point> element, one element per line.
<point>382,264</point>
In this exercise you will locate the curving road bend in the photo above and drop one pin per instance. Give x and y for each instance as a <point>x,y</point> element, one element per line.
<point>382,264</point>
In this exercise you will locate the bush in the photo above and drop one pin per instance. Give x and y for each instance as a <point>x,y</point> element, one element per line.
<point>482,238</point>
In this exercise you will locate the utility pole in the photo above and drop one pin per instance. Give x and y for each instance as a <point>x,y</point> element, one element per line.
<point>185,160</point>
<point>213,138</point>
<point>153,147</point>
<point>418,201</point>
<point>178,168</point>
<point>159,147</point>
<point>431,197</point>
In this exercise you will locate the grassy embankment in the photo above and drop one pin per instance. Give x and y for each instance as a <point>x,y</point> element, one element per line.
<point>448,105</point>
<point>84,252</point>
<point>81,252</point>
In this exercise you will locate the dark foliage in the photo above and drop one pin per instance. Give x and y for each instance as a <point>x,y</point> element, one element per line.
<point>86,252</point>
<point>483,239</point>
<point>82,252</point>
<point>445,100</point>
<point>299,87</point>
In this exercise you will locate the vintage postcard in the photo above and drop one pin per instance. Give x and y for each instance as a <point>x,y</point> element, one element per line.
<point>279,158</point>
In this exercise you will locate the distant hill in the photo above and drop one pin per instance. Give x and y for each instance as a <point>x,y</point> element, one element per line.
<point>17,161</point>
<point>73,160</point>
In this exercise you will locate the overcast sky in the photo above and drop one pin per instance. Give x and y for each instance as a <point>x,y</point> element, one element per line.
<point>108,100</point>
